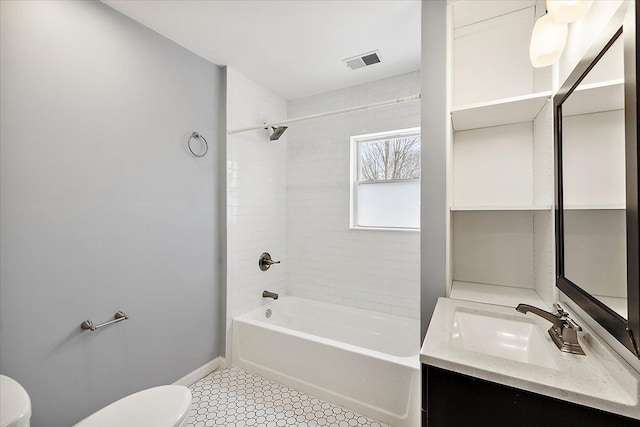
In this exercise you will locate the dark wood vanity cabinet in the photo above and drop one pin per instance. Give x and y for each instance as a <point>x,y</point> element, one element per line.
<point>450,399</point>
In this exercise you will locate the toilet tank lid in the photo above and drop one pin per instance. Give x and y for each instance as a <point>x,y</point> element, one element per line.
<point>15,404</point>
<point>159,406</point>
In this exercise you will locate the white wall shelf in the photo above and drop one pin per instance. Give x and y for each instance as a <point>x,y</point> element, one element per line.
<point>502,208</point>
<point>593,207</point>
<point>493,166</point>
<point>498,295</point>
<point>500,112</point>
<point>595,98</point>
<point>490,57</point>
<point>493,247</point>
<point>501,151</point>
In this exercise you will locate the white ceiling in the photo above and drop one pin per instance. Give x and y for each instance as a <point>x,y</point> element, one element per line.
<point>294,48</point>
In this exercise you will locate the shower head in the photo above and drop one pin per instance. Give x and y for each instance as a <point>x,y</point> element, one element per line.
<point>277,132</point>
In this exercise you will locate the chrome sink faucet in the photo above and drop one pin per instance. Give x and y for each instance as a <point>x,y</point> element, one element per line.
<point>563,331</point>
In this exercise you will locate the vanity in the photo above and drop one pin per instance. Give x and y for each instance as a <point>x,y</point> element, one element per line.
<point>486,364</point>
<point>549,216</point>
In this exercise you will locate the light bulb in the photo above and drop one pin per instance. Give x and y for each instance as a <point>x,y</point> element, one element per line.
<point>547,42</point>
<point>566,11</point>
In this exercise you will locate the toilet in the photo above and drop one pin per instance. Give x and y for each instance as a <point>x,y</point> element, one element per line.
<point>164,406</point>
<point>15,405</point>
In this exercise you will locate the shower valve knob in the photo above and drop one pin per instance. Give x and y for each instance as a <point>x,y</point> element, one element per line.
<point>265,261</point>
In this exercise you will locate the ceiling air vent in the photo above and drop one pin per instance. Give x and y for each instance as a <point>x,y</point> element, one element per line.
<point>363,60</point>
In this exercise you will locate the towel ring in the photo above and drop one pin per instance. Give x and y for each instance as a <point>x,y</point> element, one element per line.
<point>196,135</point>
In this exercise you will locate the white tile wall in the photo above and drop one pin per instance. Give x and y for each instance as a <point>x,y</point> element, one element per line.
<point>256,204</point>
<point>377,270</point>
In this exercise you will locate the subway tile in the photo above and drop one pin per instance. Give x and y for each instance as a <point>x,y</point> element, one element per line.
<point>306,214</point>
<point>350,253</point>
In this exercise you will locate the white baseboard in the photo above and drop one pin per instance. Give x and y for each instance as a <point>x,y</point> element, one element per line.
<point>201,372</point>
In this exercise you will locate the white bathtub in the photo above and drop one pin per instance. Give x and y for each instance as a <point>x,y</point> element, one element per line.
<point>363,360</point>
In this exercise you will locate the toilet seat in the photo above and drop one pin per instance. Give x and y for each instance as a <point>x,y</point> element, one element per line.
<point>164,406</point>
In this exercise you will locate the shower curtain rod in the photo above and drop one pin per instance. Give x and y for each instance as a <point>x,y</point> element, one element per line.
<point>330,113</point>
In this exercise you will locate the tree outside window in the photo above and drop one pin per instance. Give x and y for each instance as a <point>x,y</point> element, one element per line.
<point>390,159</point>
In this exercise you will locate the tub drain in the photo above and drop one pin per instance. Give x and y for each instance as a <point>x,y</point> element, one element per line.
<point>267,313</point>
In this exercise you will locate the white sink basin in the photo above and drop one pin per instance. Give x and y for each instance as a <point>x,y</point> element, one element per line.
<point>512,339</point>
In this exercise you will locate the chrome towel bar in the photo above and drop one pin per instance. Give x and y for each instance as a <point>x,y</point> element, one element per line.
<point>118,317</point>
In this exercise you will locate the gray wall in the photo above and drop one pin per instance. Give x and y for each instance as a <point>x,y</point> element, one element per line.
<point>433,217</point>
<point>102,208</point>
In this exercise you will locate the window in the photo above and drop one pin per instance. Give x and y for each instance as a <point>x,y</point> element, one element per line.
<point>385,180</point>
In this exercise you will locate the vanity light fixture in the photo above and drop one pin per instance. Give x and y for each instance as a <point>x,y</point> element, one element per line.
<point>550,31</point>
<point>566,11</point>
<point>547,41</point>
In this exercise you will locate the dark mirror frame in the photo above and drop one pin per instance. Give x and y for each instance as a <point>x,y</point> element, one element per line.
<point>622,24</point>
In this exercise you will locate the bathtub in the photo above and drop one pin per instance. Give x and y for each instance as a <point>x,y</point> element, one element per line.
<point>362,360</point>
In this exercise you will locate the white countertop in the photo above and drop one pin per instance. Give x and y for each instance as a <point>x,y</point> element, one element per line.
<point>601,379</point>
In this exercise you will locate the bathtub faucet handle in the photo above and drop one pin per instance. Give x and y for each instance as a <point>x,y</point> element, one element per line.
<point>265,261</point>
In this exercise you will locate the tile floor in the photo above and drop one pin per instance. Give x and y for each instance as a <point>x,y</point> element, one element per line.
<point>236,398</point>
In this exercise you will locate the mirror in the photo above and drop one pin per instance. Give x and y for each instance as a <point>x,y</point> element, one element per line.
<point>596,183</point>
<point>593,179</point>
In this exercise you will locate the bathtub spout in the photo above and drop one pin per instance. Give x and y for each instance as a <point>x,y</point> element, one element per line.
<point>267,294</point>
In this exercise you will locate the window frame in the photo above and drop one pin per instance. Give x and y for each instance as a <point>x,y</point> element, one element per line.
<point>354,177</point>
